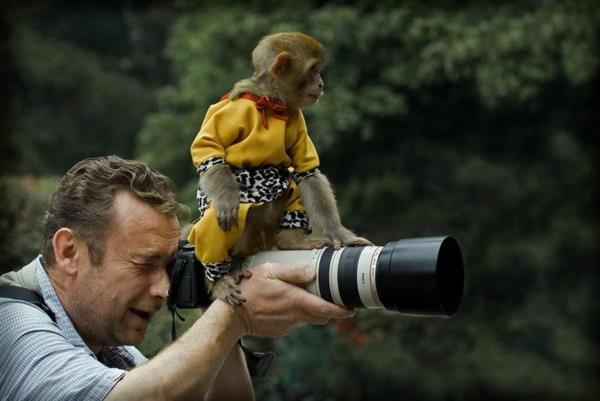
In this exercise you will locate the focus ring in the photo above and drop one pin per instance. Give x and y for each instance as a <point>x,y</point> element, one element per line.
<point>323,277</point>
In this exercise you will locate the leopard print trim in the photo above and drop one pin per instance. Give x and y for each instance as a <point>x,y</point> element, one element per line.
<point>296,219</point>
<point>208,163</point>
<point>301,176</point>
<point>215,271</point>
<point>256,185</point>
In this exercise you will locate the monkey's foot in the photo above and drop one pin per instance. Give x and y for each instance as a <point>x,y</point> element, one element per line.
<point>227,290</point>
<point>316,243</point>
<point>341,236</point>
<point>358,241</point>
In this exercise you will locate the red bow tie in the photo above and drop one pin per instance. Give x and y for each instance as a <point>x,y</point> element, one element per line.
<point>264,104</point>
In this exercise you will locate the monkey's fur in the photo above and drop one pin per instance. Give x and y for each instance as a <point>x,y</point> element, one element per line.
<point>287,69</point>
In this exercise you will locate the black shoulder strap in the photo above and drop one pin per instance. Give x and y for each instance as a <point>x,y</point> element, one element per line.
<point>23,294</point>
<point>259,363</point>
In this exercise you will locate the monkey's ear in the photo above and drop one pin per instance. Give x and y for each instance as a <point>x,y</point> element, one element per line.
<point>281,64</point>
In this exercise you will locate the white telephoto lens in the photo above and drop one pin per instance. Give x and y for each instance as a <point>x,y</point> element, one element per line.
<point>417,276</point>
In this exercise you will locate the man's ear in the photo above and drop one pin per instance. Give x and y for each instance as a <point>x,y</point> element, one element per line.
<point>67,250</point>
<point>281,65</point>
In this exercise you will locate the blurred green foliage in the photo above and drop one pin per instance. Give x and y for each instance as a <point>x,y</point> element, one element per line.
<point>471,118</point>
<point>81,78</point>
<point>23,200</point>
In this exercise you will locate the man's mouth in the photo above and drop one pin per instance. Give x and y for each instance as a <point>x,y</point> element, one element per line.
<point>141,313</point>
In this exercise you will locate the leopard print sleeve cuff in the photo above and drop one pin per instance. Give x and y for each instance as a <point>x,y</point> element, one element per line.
<point>301,176</point>
<point>208,163</point>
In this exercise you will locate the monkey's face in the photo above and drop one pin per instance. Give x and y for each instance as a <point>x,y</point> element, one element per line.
<point>311,85</point>
<point>293,62</point>
<point>304,85</point>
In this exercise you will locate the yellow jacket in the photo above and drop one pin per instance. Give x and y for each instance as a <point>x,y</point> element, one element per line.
<point>246,136</point>
<point>234,130</point>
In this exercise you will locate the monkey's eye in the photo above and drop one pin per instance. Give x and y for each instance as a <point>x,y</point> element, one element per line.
<point>315,70</point>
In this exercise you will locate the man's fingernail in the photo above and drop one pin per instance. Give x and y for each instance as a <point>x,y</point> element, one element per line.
<point>309,272</point>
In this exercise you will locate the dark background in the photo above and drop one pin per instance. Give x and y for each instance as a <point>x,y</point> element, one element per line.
<point>470,118</point>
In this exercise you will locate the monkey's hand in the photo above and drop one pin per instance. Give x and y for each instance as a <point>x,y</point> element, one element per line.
<point>341,236</point>
<point>227,212</point>
<point>223,191</point>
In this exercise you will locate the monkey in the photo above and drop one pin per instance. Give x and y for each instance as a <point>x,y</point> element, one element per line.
<point>259,182</point>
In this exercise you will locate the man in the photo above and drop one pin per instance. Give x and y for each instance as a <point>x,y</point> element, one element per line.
<point>109,233</point>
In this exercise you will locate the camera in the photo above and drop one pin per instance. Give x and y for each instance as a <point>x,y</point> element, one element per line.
<point>415,276</point>
<point>187,289</point>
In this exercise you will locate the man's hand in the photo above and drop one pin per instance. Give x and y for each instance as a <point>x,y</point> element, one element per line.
<point>276,302</point>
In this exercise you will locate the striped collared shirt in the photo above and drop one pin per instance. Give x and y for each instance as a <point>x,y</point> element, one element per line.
<point>45,360</point>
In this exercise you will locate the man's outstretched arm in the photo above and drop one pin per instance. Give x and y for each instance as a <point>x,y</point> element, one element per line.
<point>187,368</point>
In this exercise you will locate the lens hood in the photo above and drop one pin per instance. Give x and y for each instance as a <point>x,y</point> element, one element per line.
<point>421,276</point>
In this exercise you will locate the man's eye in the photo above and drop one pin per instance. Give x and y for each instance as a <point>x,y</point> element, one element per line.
<point>145,265</point>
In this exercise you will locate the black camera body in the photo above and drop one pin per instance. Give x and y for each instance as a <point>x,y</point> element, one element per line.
<point>188,287</point>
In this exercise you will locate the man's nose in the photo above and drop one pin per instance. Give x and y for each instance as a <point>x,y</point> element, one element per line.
<point>160,285</point>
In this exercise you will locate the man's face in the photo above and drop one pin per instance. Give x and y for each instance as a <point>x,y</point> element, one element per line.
<point>112,303</point>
